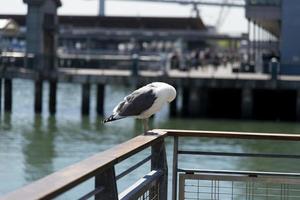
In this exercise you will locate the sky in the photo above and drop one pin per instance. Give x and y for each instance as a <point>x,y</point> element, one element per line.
<point>234,18</point>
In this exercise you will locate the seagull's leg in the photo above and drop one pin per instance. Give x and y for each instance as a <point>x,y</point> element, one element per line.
<point>146,126</point>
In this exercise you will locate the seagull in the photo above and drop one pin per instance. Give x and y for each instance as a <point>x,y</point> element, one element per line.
<point>144,102</point>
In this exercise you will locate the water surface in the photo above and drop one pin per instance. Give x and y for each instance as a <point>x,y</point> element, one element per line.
<point>32,146</point>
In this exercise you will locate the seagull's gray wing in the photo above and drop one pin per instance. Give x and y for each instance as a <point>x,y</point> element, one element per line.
<point>136,103</point>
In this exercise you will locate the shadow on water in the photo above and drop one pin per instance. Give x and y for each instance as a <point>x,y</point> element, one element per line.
<point>39,149</point>
<point>7,121</point>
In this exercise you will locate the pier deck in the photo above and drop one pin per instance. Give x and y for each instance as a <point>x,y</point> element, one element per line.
<point>222,77</point>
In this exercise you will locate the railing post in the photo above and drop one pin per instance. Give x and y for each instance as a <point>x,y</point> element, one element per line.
<point>159,162</point>
<point>107,181</point>
<point>175,166</point>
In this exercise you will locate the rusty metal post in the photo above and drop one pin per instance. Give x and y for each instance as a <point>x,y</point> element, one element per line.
<point>106,183</point>
<point>159,162</point>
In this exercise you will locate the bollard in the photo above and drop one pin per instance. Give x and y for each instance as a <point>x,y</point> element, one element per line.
<point>274,68</point>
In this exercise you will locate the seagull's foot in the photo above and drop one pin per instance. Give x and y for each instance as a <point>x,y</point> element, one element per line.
<point>150,133</point>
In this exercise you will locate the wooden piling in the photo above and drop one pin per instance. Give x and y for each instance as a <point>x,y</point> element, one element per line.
<point>185,101</point>
<point>38,96</point>
<point>173,107</point>
<point>0,95</point>
<point>298,105</point>
<point>100,99</point>
<point>247,103</point>
<point>85,103</point>
<point>7,95</point>
<point>52,97</point>
<point>193,103</point>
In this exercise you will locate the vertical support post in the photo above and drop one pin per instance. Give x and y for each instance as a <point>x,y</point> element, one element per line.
<point>159,162</point>
<point>247,103</point>
<point>106,183</point>
<point>254,41</point>
<point>173,107</point>
<point>101,7</point>
<point>0,95</point>
<point>38,96</point>
<point>175,168</point>
<point>7,95</point>
<point>100,99</point>
<point>193,103</point>
<point>52,97</point>
<point>298,105</point>
<point>203,102</point>
<point>85,103</point>
<point>185,101</point>
<point>249,42</point>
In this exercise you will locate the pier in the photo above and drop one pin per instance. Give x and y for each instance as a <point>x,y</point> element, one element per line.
<point>186,183</point>
<point>214,93</point>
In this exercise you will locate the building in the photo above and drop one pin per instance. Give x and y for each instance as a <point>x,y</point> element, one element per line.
<point>280,19</point>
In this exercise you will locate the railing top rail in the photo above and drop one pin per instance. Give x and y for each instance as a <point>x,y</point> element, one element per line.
<point>60,181</point>
<point>231,135</point>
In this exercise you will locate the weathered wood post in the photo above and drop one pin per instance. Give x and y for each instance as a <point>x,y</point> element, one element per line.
<point>159,162</point>
<point>85,103</point>
<point>106,183</point>
<point>7,95</point>
<point>100,99</point>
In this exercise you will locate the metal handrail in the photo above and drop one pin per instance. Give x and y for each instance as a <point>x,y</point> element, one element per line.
<point>69,177</point>
<point>176,134</point>
<point>63,180</point>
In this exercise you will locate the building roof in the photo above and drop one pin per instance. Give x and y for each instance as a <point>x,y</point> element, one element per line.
<point>123,22</point>
<point>58,2</point>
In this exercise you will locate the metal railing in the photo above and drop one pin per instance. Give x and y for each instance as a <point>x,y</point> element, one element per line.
<point>193,183</point>
<point>218,184</point>
<point>101,168</point>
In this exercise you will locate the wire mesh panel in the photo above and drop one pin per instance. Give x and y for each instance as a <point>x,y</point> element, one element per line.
<point>147,188</point>
<point>237,187</point>
<point>151,194</point>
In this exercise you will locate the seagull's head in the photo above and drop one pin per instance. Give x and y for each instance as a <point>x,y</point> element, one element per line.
<point>172,93</point>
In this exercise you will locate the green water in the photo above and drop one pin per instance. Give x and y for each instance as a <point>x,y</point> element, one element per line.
<point>34,146</point>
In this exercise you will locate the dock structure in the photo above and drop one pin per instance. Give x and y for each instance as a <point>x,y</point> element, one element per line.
<point>192,182</point>
<point>204,93</point>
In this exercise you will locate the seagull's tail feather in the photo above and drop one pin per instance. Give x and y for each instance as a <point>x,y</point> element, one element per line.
<point>112,118</point>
